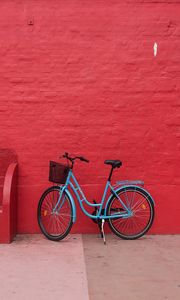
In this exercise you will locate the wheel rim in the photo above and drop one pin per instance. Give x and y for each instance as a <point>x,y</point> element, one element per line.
<point>139,222</point>
<point>55,223</point>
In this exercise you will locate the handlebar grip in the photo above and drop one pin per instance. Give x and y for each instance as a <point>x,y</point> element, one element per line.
<point>84,159</point>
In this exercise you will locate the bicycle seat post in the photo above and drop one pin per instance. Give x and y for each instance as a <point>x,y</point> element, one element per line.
<point>110,175</point>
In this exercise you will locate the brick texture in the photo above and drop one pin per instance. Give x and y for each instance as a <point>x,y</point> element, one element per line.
<point>81,76</point>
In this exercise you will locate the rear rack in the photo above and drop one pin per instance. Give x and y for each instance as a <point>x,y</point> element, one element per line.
<point>128,182</point>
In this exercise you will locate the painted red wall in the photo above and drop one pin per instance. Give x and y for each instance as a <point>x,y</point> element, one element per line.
<point>83,78</point>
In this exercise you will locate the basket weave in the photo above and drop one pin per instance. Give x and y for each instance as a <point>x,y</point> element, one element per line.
<point>58,172</point>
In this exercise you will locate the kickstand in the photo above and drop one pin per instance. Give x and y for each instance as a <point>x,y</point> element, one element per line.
<point>102,231</point>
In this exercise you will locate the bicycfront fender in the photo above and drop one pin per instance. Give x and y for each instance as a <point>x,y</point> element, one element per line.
<point>118,190</point>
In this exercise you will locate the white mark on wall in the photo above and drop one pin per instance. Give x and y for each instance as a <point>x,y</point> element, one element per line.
<point>155,49</point>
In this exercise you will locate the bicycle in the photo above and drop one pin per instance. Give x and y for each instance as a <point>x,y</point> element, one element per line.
<point>129,210</point>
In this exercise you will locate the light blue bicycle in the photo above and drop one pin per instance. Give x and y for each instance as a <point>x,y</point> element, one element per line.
<point>129,210</point>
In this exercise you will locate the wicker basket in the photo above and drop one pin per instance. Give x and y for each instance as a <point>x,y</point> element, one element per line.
<point>58,172</point>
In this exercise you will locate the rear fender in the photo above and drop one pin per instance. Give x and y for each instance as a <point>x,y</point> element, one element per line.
<point>118,190</point>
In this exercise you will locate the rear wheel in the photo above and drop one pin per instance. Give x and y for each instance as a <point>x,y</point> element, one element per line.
<point>55,225</point>
<point>142,207</point>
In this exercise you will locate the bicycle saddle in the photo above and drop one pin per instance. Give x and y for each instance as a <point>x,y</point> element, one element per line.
<point>114,163</point>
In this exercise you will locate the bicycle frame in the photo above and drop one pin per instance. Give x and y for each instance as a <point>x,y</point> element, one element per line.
<point>73,183</point>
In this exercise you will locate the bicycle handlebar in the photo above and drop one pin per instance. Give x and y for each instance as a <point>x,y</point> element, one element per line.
<point>66,155</point>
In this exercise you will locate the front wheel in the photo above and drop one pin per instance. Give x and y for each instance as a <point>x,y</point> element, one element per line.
<point>141,205</point>
<point>55,225</point>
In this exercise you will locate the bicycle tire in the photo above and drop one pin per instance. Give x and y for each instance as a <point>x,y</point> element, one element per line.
<point>146,205</point>
<point>44,214</point>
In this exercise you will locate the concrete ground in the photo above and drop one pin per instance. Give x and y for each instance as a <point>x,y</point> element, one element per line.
<point>82,267</point>
<point>148,268</point>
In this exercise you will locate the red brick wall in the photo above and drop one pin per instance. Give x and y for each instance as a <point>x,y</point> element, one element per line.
<point>83,78</point>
